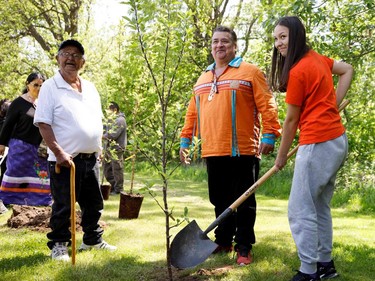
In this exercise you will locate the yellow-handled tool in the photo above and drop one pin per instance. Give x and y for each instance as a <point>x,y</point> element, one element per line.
<point>72,207</point>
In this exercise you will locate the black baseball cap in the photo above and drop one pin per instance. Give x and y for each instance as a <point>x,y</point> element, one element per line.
<point>74,43</point>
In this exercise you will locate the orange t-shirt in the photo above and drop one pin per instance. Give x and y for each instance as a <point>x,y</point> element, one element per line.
<point>311,87</point>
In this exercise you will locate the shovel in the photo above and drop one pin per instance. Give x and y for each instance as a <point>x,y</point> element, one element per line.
<point>191,246</point>
<point>72,207</point>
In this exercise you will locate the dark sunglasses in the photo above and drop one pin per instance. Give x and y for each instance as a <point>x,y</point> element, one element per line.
<point>36,85</point>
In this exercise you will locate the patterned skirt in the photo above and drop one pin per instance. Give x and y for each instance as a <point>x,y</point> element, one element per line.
<point>26,179</point>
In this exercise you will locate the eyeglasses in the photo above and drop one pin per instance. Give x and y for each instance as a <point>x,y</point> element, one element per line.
<point>67,55</point>
<point>36,85</point>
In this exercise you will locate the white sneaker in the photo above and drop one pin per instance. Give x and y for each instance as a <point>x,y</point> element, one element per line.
<point>101,246</point>
<point>60,251</point>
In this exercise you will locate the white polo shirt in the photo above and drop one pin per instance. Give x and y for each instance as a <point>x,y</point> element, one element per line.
<point>75,118</point>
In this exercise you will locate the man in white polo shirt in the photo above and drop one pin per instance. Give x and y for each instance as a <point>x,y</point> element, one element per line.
<point>69,118</point>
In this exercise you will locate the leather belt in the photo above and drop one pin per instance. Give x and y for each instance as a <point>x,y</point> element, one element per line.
<point>85,155</point>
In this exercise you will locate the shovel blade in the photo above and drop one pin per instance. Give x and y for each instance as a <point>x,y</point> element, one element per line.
<point>190,247</point>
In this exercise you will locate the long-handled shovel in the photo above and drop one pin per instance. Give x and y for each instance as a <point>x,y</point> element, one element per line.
<point>191,246</point>
<point>72,207</point>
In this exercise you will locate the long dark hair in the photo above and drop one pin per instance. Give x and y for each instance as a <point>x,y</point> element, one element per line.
<point>32,77</point>
<point>297,48</point>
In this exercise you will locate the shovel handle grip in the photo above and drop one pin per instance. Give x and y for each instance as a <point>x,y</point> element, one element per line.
<point>267,175</point>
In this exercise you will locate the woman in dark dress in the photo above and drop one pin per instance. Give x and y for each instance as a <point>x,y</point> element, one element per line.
<point>26,180</point>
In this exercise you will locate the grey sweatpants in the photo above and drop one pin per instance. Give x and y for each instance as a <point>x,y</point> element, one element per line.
<point>309,209</point>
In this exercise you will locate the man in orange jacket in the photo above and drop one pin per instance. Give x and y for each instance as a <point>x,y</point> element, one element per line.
<point>224,113</point>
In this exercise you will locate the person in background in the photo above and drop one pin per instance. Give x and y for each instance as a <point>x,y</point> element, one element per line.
<point>69,117</point>
<point>115,143</point>
<point>312,106</point>
<point>26,180</point>
<point>4,105</point>
<point>231,103</point>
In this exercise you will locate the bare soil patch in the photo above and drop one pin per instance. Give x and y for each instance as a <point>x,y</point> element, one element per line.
<point>199,275</point>
<point>37,218</point>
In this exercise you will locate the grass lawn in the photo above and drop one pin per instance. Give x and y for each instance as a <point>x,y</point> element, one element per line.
<point>141,244</point>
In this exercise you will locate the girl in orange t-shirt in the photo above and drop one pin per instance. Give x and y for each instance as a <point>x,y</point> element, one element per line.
<point>312,106</point>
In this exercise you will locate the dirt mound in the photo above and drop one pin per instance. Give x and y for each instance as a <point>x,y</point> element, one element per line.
<point>37,218</point>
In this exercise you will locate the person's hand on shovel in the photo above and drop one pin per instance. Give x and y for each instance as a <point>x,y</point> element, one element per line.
<point>280,162</point>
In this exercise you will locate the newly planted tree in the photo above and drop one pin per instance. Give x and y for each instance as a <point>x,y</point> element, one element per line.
<point>163,47</point>
<point>174,45</point>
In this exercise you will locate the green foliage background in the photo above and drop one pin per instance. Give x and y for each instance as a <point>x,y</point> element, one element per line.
<point>178,32</point>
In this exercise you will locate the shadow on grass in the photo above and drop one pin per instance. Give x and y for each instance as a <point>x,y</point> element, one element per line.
<point>272,261</point>
<point>275,256</point>
<point>355,262</point>
<point>266,266</point>
<point>124,269</point>
<point>275,260</point>
<point>15,263</point>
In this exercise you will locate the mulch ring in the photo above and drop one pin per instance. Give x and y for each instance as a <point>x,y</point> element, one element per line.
<point>37,218</point>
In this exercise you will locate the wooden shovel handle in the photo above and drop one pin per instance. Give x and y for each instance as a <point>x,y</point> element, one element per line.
<point>270,172</point>
<point>255,186</point>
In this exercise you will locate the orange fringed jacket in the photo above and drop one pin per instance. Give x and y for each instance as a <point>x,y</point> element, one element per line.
<point>229,124</point>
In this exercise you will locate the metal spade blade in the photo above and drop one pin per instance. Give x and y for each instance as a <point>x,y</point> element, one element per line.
<point>190,247</point>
